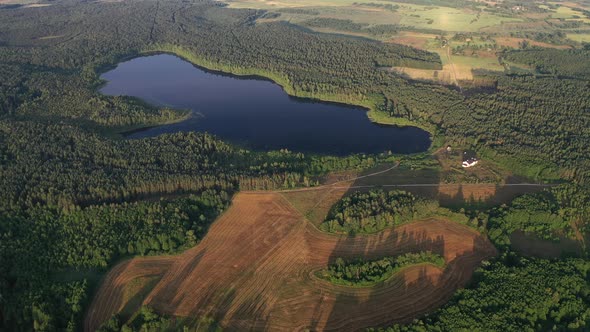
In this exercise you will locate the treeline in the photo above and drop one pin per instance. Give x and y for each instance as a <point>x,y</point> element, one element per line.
<point>335,23</point>
<point>63,165</point>
<point>367,273</point>
<point>568,63</point>
<point>387,6</point>
<point>50,258</point>
<point>549,215</point>
<point>536,214</point>
<point>369,212</point>
<point>148,320</point>
<point>145,320</point>
<point>375,30</point>
<point>554,37</point>
<point>516,294</point>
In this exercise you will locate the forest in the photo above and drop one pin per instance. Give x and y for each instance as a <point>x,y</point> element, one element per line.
<point>52,257</point>
<point>373,211</point>
<point>366,273</point>
<point>537,214</point>
<point>556,297</point>
<point>146,320</point>
<point>76,197</point>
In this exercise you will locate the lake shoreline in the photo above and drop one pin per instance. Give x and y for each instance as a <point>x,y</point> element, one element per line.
<point>252,111</point>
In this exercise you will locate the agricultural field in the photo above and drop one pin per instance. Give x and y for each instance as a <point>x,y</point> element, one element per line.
<point>379,12</point>
<point>486,29</point>
<point>449,19</point>
<point>567,12</point>
<point>581,38</point>
<point>256,267</point>
<point>513,42</point>
<point>455,69</point>
<point>415,39</point>
<point>129,282</point>
<point>276,234</point>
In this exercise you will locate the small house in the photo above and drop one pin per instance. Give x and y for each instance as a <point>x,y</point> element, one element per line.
<point>470,162</point>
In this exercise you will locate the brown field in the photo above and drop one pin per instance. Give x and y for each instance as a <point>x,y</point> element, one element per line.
<point>315,204</point>
<point>487,193</point>
<point>121,293</point>
<point>255,270</point>
<point>413,39</point>
<point>444,76</point>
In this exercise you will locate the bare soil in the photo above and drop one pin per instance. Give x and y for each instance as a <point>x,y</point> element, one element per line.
<point>255,270</point>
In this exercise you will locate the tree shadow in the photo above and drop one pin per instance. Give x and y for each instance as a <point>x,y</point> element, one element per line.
<point>165,291</point>
<point>259,274</point>
<point>415,290</point>
<point>429,184</point>
<point>134,303</point>
<point>110,295</point>
<point>410,293</point>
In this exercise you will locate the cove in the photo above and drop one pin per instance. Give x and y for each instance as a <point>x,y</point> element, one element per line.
<point>254,112</point>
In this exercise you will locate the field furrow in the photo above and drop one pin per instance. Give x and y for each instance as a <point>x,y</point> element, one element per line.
<point>255,270</point>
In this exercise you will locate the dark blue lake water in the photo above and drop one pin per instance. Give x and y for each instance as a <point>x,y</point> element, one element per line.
<point>254,113</point>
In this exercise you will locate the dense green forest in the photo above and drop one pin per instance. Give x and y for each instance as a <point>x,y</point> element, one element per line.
<point>537,214</point>
<point>569,63</point>
<point>52,257</point>
<point>367,273</point>
<point>64,165</point>
<point>516,294</point>
<point>75,197</point>
<point>369,212</point>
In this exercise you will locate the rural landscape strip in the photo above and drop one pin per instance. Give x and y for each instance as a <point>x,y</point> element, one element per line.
<point>335,184</point>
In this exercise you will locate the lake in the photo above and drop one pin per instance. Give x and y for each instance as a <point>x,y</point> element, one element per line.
<point>254,112</point>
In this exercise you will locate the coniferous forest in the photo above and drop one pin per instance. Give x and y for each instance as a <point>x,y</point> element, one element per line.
<point>76,197</point>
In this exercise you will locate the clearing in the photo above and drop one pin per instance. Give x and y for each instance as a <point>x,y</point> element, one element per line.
<point>255,270</point>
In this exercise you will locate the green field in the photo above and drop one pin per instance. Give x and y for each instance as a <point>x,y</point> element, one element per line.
<point>417,25</point>
<point>579,37</point>
<point>568,13</point>
<point>410,15</point>
<point>449,19</point>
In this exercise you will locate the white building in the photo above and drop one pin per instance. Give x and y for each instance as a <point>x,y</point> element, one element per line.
<point>470,162</point>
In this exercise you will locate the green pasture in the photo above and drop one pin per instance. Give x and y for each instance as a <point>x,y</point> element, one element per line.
<point>579,37</point>
<point>417,16</point>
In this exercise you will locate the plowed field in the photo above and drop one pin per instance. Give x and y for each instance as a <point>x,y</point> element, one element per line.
<point>255,271</point>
